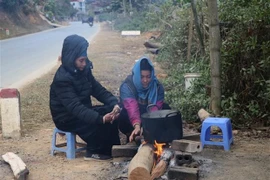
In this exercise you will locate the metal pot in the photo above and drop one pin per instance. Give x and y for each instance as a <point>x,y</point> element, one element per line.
<point>162,126</point>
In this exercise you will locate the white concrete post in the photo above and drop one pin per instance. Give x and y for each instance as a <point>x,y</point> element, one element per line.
<point>7,32</point>
<point>189,77</point>
<point>10,113</point>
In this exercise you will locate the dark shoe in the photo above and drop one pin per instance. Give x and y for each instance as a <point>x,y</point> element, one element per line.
<point>106,151</point>
<point>97,157</point>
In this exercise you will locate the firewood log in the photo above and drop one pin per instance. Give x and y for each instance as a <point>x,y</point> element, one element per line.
<point>152,45</point>
<point>162,165</point>
<point>203,114</point>
<point>153,50</point>
<point>141,164</point>
<point>17,165</point>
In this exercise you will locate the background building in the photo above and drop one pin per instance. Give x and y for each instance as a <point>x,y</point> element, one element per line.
<point>79,5</point>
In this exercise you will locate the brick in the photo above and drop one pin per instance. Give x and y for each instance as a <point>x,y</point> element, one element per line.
<point>186,146</point>
<point>124,150</point>
<point>182,158</point>
<point>183,173</point>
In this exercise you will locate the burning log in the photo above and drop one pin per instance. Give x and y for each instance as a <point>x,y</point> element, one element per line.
<point>162,165</point>
<point>141,164</point>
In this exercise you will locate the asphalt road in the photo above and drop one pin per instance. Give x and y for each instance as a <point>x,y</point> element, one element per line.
<point>24,57</point>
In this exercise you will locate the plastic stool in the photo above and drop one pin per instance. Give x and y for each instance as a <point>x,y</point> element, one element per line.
<point>226,127</point>
<point>71,144</point>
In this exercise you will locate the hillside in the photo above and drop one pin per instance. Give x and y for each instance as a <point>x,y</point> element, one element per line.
<point>21,22</point>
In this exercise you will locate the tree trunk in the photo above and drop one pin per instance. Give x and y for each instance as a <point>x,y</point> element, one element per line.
<point>141,164</point>
<point>190,35</point>
<point>130,6</point>
<point>215,45</point>
<point>124,7</point>
<point>197,26</point>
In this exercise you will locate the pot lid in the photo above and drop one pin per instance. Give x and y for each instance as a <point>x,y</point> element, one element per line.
<point>160,114</point>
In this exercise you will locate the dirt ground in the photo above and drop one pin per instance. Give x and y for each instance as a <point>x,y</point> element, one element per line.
<point>113,57</point>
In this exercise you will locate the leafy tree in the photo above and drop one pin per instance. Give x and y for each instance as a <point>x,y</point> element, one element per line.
<point>116,6</point>
<point>9,4</point>
<point>50,6</point>
<point>39,2</point>
<point>59,9</point>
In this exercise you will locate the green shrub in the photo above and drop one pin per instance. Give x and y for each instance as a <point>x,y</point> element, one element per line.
<point>107,16</point>
<point>245,59</point>
<point>189,101</point>
<point>27,9</point>
<point>10,5</point>
<point>136,22</point>
<point>246,62</point>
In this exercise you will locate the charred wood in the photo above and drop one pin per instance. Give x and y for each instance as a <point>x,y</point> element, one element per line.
<point>162,165</point>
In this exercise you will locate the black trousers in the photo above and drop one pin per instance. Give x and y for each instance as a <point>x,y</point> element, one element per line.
<point>125,125</point>
<point>99,137</point>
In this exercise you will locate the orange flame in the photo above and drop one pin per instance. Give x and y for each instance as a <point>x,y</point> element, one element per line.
<point>159,148</point>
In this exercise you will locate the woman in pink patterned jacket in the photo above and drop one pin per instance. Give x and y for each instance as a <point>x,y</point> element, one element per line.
<point>138,91</point>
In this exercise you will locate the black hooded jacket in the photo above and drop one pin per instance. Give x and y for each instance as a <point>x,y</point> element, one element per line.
<point>71,89</point>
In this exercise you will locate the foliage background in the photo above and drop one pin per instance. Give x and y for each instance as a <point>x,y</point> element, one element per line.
<point>245,55</point>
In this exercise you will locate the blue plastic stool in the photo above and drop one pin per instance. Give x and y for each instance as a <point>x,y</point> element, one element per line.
<point>226,127</point>
<point>71,144</point>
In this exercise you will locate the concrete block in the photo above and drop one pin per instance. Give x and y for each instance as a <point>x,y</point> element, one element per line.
<point>183,173</point>
<point>124,150</point>
<point>192,136</point>
<point>182,158</point>
<point>186,146</point>
<point>131,33</point>
<point>10,113</point>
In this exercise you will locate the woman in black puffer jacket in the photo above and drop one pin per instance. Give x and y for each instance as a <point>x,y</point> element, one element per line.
<point>71,105</point>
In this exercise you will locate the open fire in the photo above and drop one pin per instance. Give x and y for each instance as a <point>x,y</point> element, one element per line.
<point>159,149</point>
<point>153,160</point>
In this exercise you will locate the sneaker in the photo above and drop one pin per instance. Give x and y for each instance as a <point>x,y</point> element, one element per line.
<point>97,157</point>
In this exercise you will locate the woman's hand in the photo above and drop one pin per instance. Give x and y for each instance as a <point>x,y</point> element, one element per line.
<point>107,118</point>
<point>116,109</point>
<point>115,112</point>
<point>135,132</point>
<point>110,117</point>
